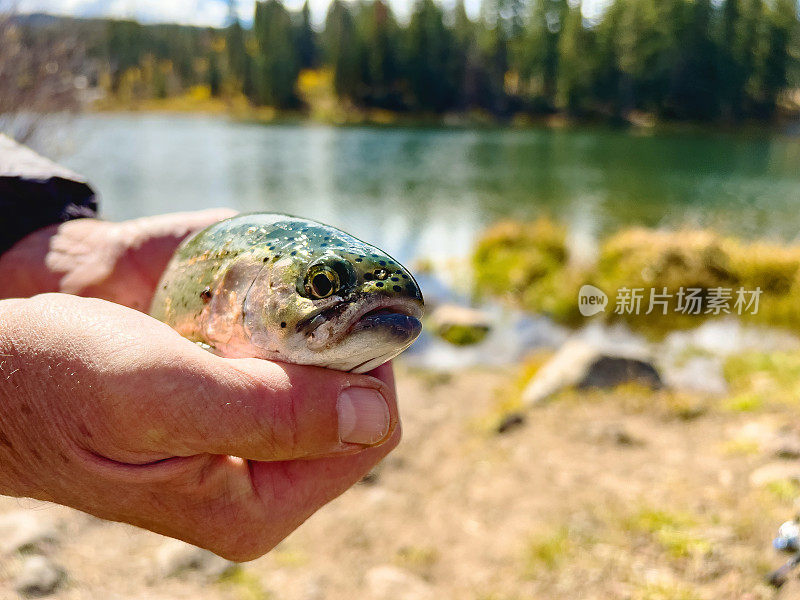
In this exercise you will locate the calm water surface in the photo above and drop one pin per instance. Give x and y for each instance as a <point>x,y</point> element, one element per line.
<point>419,192</point>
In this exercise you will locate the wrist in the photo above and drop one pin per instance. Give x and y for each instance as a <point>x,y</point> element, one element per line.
<point>15,475</point>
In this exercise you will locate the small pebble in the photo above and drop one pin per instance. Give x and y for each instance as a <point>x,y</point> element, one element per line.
<point>38,577</point>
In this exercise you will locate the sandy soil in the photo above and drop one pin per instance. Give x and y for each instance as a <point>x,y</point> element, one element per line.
<point>623,494</point>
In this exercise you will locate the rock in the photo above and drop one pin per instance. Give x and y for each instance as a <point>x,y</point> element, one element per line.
<point>370,478</point>
<point>775,472</point>
<point>460,325</point>
<point>786,446</point>
<point>701,374</point>
<point>616,433</point>
<point>391,583</point>
<point>611,371</point>
<point>510,422</point>
<point>175,557</point>
<point>38,577</point>
<point>26,530</point>
<point>585,363</point>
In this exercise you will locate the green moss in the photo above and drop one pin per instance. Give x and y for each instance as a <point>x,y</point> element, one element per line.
<point>246,585</point>
<point>529,265</point>
<point>463,335</point>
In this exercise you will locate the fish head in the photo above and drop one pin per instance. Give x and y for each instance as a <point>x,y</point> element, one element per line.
<point>334,301</point>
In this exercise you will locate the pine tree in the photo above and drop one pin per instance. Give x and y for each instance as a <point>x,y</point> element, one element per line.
<point>547,23</point>
<point>694,90</point>
<point>341,50</point>
<point>276,64</point>
<point>731,76</point>
<point>747,52</point>
<point>781,24</point>
<point>430,65</point>
<point>577,69</point>
<point>378,36</point>
<point>238,61</point>
<point>306,39</point>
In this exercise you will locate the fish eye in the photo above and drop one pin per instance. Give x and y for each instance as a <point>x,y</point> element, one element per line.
<point>322,281</point>
<point>327,276</point>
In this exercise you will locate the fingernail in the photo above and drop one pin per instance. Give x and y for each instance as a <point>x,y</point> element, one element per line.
<point>363,416</point>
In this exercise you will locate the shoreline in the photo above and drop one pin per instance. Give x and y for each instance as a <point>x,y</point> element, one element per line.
<point>641,124</point>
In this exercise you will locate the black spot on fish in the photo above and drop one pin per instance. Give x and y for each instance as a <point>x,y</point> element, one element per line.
<point>404,276</point>
<point>205,295</point>
<point>283,324</point>
<point>397,288</point>
<point>324,245</point>
<point>294,253</point>
<point>359,260</point>
<point>395,279</point>
<point>379,284</point>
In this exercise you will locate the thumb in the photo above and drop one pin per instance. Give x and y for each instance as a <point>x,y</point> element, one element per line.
<point>266,411</point>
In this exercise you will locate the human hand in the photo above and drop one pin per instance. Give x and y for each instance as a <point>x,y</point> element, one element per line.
<point>107,410</point>
<point>120,262</point>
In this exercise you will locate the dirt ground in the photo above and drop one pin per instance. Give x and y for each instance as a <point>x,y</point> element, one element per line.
<point>619,494</point>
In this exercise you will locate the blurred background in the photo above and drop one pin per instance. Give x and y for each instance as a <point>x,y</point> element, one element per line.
<point>509,152</point>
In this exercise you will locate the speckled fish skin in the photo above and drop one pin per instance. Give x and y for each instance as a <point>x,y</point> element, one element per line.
<point>250,286</point>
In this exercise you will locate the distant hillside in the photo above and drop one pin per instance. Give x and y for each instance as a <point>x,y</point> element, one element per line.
<point>688,60</point>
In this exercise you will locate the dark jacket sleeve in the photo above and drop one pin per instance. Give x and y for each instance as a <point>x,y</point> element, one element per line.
<point>35,193</point>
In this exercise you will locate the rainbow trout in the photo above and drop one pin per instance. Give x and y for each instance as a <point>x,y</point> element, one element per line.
<point>291,290</point>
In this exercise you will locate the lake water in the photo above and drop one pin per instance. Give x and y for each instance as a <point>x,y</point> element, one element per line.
<point>428,192</point>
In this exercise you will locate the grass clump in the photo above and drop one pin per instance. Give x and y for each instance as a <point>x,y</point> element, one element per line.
<point>744,403</point>
<point>666,591</point>
<point>760,380</point>
<point>672,531</point>
<point>785,490</point>
<point>547,552</point>
<point>245,585</point>
<point>740,447</point>
<point>418,559</point>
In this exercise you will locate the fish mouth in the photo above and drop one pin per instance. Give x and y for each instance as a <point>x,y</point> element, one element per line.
<point>399,323</point>
<point>399,317</point>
